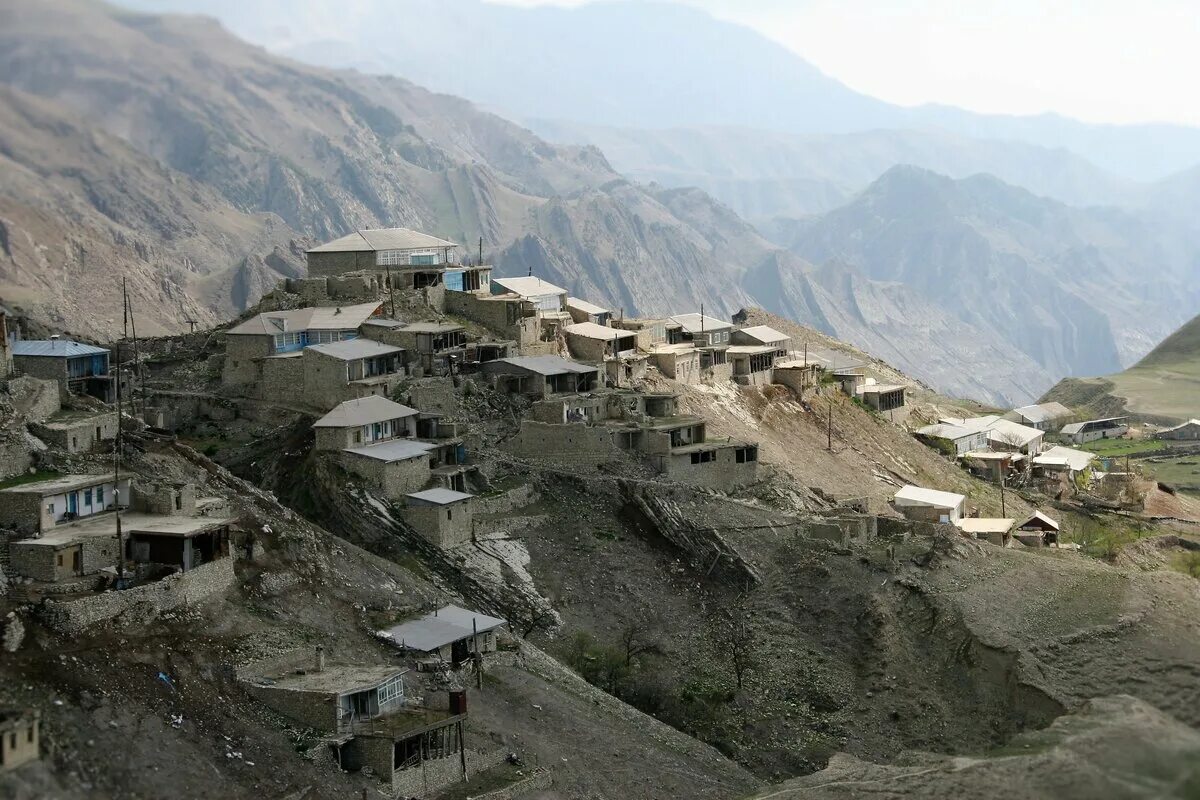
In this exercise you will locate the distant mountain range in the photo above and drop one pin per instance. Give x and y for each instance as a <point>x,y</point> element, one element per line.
<point>643,66</point>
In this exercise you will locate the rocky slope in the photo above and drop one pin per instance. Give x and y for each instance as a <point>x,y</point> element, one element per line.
<point>1078,291</point>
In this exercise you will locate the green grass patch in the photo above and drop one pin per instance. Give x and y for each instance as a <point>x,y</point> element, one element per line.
<point>1119,447</point>
<point>29,477</point>
<point>1181,472</point>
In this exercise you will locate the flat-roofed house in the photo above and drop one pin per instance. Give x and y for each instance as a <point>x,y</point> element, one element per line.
<point>882,397</point>
<point>752,365</point>
<point>540,376</point>
<point>989,529</point>
<point>583,311</point>
<point>650,331</point>
<point>1187,432</point>
<point>442,516</point>
<point>20,735</point>
<point>1043,416</point>
<point>614,348</point>
<point>40,505</point>
<point>449,633</point>
<point>277,333</point>
<point>365,421</point>
<point>679,362</point>
<point>710,336</point>
<point>350,369</point>
<point>763,335</point>
<point>930,505</point>
<point>545,296</point>
<point>77,368</point>
<point>78,432</point>
<point>394,468</point>
<point>1092,429</point>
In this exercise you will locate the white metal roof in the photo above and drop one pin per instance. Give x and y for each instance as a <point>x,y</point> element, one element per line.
<point>440,628</point>
<point>351,349</point>
<point>917,496</point>
<point>998,429</point>
<point>55,348</point>
<point>1042,412</point>
<point>318,318</point>
<point>440,497</point>
<point>1039,516</point>
<point>985,525</point>
<point>765,334</point>
<point>590,330</point>
<point>585,306</point>
<point>945,430</point>
<point>528,286</point>
<point>383,239</point>
<point>1075,459</point>
<point>395,450</point>
<point>543,365</point>
<point>432,327</point>
<point>697,323</point>
<point>364,411</point>
<point>1076,427</point>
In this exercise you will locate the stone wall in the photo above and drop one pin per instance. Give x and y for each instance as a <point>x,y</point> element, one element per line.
<point>722,473</point>
<point>78,435</point>
<point>717,373</point>
<point>36,399</point>
<point>503,316</point>
<point>180,589</point>
<point>391,479</point>
<point>540,779</point>
<point>325,381</point>
<point>242,352</point>
<point>46,368</point>
<point>164,499</point>
<point>433,776</point>
<point>21,512</point>
<point>337,263</point>
<point>308,708</point>
<point>443,526</point>
<point>354,287</point>
<point>280,379</point>
<point>335,438</point>
<point>573,442</point>
<point>514,498</point>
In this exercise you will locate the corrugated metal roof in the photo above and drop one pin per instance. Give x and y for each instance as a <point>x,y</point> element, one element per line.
<point>585,306</point>
<point>320,318</point>
<point>590,330</point>
<point>945,430</point>
<point>57,348</point>
<point>383,239</point>
<point>395,450</point>
<point>433,327</point>
<point>916,495</point>
<point>542,365</point>
<point>1075,459</point>
<point>440,628</point>
<point>440,497</point>
<point>1038,516</point>
<point>528,286</point>
<point>364,411</point>
<point>350,349</point>
<point>764,333</point>
<point>696,323</point>
<point>1042,412</point>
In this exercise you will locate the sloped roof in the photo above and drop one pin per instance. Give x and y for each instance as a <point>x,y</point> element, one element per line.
<point>319,318</point>
<point>698,323</point>
<point>1042,412</point>
<point>998,429</point>
<point>946,430</point>
<point>1076,427</point>
<point>764,333</point>
<point>543,365</point>
<point>585,306</point>
<point>395,450</point>
<point>440,628</point>
<point>985,525</point>
<point>528,286</point>
<point>440,497</point>
<point>350,349</point>
<point>55,348</point>
<point>590,330</point>
<point>364,411</point>
<point>1181,426</point>
<point>918,496</point>
<point>1075,459</point>
<point>1039,517</point>
<point>382,239</point>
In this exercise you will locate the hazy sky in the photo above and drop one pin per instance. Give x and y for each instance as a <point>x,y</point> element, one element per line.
<point>1096,60</point>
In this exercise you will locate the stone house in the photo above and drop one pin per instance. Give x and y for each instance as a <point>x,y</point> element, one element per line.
<point>433,346</point>
<point>274,333</point>
<point>545,297</point>
<point>606,404</point>
<point>20,737</point>
<point>77,432</point>
<point>650,332</point>
<point>752,365</point>
<point>450,634</point>
<point>442,516</point>
<point>540,376</point>
<point>595,344</point>
<point>995,530</point>
<point>679,362</point>
<point>1187,432</point>
<point>930,505</point>
<point>583,311</point>
<point>81,369</point>
<point>762,336</point>
<point>394,468</point>
<point>41,505</point>
<point>724,465</point>
<point>1063,464</point>
<point>710,336</point>
<point>1043,416</point>
<point>8,335</point>
<point>365,421</point>
<point>797,374</point>
<point>350,369</point>
<point>415,260</point>
<point>507,316</point>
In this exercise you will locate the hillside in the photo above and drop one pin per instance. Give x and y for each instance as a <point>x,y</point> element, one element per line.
<point>1067,287</point>
<point>1163,386</point>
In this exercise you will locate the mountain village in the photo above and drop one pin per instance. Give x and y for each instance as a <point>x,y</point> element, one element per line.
<point>421,388</point>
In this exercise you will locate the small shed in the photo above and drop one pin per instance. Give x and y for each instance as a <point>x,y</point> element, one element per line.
<point>448,633</point>
<point>930,505</point>
<point>1038,530</point>
<point>442,516</point>
<point>990,529</point>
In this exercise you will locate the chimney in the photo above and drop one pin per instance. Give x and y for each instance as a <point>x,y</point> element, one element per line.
<point>53,341</point>
<point>319,666</point>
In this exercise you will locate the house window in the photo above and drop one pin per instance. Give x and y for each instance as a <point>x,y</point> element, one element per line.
<point>29,734</point>
<point>98,437</point>
<point>50,507</point>
<point>703,457</point>
<point>87,497</point>
<point>60,559</point>
<point>391,689</point>
<point>99,495</point>
<point>449,514</point>
<point>746,454</point>
<point>178,502</point>
<point>358,437</point>
<point>74,443</point>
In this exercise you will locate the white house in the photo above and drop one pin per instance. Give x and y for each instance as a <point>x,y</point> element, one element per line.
<point>930,505</point>
<point>545,296</point>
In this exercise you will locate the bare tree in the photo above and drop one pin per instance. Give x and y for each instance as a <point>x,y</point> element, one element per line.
<point>639,638</point>
<point>737,640</point>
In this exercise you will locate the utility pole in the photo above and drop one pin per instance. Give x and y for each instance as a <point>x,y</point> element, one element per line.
<point>1003,510</point>
<point>478,655</point>
<point>391,289</point>
<point>117,479</point>
<point>481,251</point>
<point>829,427</point>
<point>137,363</point>
<point>125,306</point>
<point>192,323</point>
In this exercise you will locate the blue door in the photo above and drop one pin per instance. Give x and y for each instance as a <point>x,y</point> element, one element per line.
<point>72,503</point>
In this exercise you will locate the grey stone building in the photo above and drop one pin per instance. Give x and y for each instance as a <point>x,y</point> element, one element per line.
<point>365,421</point>
<point>443,516</point>
<point>81,369</point>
